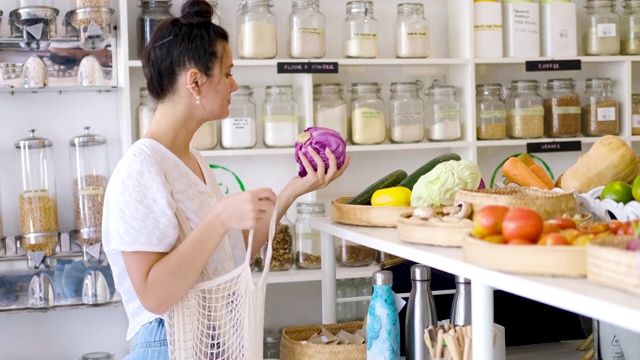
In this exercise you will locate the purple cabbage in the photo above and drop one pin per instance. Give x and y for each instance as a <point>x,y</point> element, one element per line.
<point>481,186</point>
<point>319,139</point>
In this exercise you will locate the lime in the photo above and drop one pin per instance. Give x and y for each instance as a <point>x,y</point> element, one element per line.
<point>635,188</point>
<point>618,191</point>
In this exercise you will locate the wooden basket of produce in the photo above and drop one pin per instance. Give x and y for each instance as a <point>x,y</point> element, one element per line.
<point>614,262</point>
<point>549,204</point>
<point>544,260</point>
<point>434,226</point>
<point>293,348</point>
<point>366,215</point>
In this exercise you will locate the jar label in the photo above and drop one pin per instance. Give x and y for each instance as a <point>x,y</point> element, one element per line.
<point>369,114</point>
<point>36,193</point>
<point>606,30</point>
<point>530,111</point>
<point>311,31</point>
<point>448,113</point>
<point>563,34</point>
<point>561,110</point>
<point>636,120</point>
<point>487,27</point>
<point>365,36</point>
<point>606,114</point>
<point>92,190</point>
<point>408,116</point>
<point>239,124</point>
<point>279,118</point>
<point>495,114</point>
<point>417,35</point>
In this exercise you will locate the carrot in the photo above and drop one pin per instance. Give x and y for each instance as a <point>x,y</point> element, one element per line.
<point>526,159</point>
<point>540,173</point>
<point>516,171</point>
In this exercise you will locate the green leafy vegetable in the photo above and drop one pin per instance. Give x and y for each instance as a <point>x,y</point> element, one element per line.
<point>439,186</point>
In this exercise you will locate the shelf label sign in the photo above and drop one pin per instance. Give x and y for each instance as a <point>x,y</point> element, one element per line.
<point>554,146</point>
<point>553,65</point>
<point>307,67</point>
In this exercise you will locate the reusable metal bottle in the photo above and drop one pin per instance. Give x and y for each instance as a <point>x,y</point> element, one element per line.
<point>421,313</point>
<point>461,307</point>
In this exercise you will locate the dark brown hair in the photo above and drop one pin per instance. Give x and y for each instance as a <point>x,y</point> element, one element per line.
<point>190,40</point>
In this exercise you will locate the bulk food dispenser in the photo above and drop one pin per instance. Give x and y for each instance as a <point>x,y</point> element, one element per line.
<point>35,22</point>
<point>39,235</point>
<point>90,173</point>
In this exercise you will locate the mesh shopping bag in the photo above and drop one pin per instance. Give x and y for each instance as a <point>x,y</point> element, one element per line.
<point>220,318</point>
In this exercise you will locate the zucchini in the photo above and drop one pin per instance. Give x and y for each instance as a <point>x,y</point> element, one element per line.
<point>390,180</point>
<point>412,179</point>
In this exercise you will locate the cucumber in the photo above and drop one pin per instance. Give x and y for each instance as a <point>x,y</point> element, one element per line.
<point>390,180</point>
<point>412,179</point>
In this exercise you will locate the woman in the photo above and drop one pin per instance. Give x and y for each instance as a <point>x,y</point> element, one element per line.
<point>188,70</point>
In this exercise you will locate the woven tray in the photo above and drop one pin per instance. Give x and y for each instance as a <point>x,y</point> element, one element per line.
<point>431,233</point>
<point>549,204</point>
<point>366,215</point>
<point>569,261</point>
<point>610,265</point>
<point>292,348</point>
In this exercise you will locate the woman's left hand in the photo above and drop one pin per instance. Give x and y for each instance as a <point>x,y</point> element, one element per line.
<point>317,179</point>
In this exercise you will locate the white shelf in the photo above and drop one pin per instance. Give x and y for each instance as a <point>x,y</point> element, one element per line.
<point>345,62</point>
<point>523,142</point>
<point>586,59</point>
<point>301,275</point>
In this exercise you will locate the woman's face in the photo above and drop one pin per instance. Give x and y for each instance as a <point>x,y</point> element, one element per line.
<point>216,92</point>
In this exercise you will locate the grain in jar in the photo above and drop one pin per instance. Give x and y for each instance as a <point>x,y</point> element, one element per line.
<point>525,111</point>
<point>635,114</point>
<point>490,112</point>
<point>350,254</point>
<point>599,108</point>
<point>282,253</point>
<point>561,108</point>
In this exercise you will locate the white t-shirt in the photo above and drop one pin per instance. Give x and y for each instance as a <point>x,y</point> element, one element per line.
<point>140,215</point>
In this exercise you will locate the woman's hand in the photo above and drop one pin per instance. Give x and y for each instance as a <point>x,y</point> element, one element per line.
<point>244,210</point>
<point>316,179</point>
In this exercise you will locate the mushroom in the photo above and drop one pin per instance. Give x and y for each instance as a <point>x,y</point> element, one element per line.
<point>465,210</point>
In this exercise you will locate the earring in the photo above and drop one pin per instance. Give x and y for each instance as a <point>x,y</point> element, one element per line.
<point>198,99</point>
<point>191,86</point>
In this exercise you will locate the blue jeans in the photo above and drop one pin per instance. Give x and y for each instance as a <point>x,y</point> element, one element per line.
<point>151,342</point>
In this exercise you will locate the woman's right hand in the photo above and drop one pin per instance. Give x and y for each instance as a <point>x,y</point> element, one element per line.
<point>244,210</point>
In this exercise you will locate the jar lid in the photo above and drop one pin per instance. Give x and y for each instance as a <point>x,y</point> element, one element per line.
<point>319,86</point>
<point>494,86</point>
<point>153,1</point>
<point>382,277</point>
<point>98,355</point>
<point>310,207</point>
<point>33,12</point>
<point>559,82</point>
<point>33,142</point>
<point>87,139</point>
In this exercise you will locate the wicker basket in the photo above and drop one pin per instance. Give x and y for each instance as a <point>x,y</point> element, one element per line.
<point>292,348</point>
<point>549,204</point>
<point>366,215</point>
<point>610,264</point>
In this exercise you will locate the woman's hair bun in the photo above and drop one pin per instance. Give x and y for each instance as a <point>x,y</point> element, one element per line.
<point>196,11</point>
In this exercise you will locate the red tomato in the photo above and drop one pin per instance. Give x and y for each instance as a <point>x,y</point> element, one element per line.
<point>622,230</point>
<point>519,242</point>
<point>550,227</point>
<point>565,223</point>
<point>488,220</point>
<point>614,225</point>
<point>496,239</point>
<point>553,239</point>
<point>522,223</point>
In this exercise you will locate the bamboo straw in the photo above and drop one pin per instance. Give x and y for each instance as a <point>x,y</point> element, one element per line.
<point>427,340</point>
<point>439,340</point>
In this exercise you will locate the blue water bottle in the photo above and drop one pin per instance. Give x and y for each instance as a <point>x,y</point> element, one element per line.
<point>383,324</point>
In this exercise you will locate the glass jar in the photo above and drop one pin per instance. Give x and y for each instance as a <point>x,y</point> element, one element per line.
<point>635,114</point>
<point>145,110</point>
<point>93,25</point>
<point>90,174</point>
<point>308,252</point>
<point>363,289</point>
<point>367,114</point>
<point>630,28</point>
<point>561,108</point>
<point>412,31</point>
<point>601,26</point>
<point>491,112</point>
<point>350,254</point>
<point>37,198</point>
<point>346,310</point>
<point>329,108</point>
<point>406,113</point>
<point>282,256</point>
<point>443,114</point>
<point>215,18</point>
<point>599,108</point>
<point>271,346</point>
<point>306,30</point>
<point>525,111</point>
<point>206,137</point>
<point>152,13</point>
<point>256,26</point>
<point>239,129</point>
<point>360,31</point>
<point>279,116</point>
<point>382,257</point>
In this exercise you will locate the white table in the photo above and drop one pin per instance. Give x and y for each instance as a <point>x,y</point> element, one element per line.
<point>575,295</point>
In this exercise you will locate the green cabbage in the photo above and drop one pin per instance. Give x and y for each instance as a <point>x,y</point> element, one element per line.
<point>439,186</point>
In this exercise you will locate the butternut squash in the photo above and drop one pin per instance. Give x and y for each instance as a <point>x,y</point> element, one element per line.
<point>609,159</point>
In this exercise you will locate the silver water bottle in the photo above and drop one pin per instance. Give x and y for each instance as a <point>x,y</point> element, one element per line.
<point>421,313</point>
<point>461,307</point>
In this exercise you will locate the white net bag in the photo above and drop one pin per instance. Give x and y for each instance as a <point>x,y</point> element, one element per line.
<point>220,318</point>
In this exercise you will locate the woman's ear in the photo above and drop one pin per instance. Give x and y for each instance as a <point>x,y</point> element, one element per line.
<point>193,80</point>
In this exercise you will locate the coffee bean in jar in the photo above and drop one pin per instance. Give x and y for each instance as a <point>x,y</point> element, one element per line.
<point>600,108</point>
<point>561,108</point>
<point>525,111</point>
<point>352,255</point>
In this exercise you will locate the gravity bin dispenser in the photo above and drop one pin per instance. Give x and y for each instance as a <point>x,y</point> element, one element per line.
<point>42,46</point>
